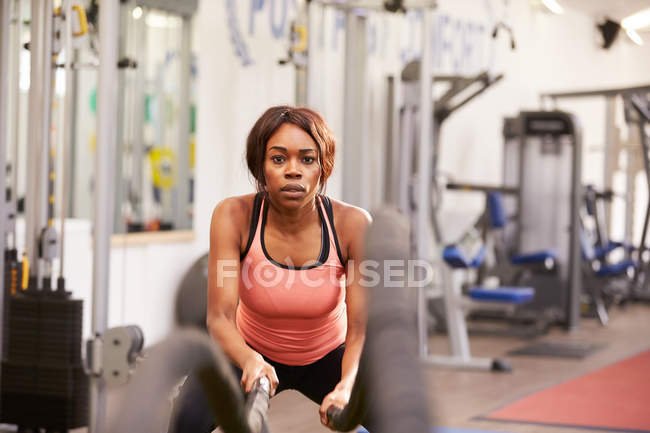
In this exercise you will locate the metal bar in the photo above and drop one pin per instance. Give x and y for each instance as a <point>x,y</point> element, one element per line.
<point>435,153</point>
<point>36,93</point>
<point>378,5</point>
<point>611,149</point>
<point>72,154</point>
<point>395,140</point>
<point>598,92</point>
<point>459,84</point>
<point>16,49</point>
<point>140,103</point>
<point>642,109</point>
<point>4,96</point>
<point>183,186</point>
<point>405,154</point>
<point>575,258</point>
<point>483,188</point>
<point>486,85</point>
<point>104,194</point>
<point>644,117</point>
<point>355,169</point>
<point>67,128</point>
<point>315,15</point>
<point>119,222</point>
<point>521,120</point>
<point>302,75</point>
<point>424,171</point>
<point>185,8</point>
<point>391,156</point>
<point>45,138</point>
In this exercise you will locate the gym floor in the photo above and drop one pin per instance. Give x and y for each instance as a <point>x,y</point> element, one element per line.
<point>457,397</point>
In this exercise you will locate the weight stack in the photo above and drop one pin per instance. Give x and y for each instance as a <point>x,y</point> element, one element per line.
<point>43,381</point>
<point>13,277</point>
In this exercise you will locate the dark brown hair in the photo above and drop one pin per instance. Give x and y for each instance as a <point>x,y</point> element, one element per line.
<point>306,119</point>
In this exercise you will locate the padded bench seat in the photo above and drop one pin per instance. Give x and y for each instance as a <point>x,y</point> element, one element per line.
<point>536,257</point>
<point>454,257</point>
<point>512,295</point>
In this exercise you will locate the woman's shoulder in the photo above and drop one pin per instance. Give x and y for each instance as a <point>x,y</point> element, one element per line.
<point>234,210</point>
<point>349,219</point>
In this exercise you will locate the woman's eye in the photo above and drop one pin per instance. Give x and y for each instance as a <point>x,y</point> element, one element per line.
<point>309,159</point>
<point>277,159</point>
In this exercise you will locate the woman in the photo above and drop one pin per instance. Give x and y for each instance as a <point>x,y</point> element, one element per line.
<point>284,293</point>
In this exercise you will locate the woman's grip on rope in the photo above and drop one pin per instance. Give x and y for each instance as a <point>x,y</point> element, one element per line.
<point>257,404</point>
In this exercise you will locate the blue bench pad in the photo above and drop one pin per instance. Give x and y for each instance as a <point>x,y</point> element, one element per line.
<point>536,257</point>
<point>457,260</point>
<point>615,269</point>
<point>513,295</point>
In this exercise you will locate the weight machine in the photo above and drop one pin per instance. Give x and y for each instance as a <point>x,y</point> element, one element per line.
<point>635,101</point>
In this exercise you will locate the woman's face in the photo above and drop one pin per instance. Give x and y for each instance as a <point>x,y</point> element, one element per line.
<point>291,167</point>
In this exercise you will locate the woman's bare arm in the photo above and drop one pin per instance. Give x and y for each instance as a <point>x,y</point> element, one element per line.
<point>223,291</point>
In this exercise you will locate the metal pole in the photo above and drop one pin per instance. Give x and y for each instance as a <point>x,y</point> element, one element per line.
<point>119,223</point>
<point>315,14</point>
<point>67,127</point>
<point>183,163</point>
<point>43,197</point>
<point>140,102</point>
<point>610,152</point>
<point>104,194</point>
<point>355,155</point>
<point>4,96</point>
<point>424,164</point>
<point>36,92</point>
<point>302,20</point>
<point>15,115</point>
<point>575,258</point>
<point>73,91</point>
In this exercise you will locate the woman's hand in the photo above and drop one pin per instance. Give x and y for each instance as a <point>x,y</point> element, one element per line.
<point>338,398</point>
<point>254,368</point>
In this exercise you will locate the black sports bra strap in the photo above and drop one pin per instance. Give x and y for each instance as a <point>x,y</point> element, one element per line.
<point>255,216</point>
<point>327,203</point>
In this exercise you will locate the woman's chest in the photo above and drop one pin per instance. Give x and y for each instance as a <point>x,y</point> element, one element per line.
<point>301,250</point>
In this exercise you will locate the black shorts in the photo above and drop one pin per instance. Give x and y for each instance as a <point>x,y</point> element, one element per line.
<point>316,380</point>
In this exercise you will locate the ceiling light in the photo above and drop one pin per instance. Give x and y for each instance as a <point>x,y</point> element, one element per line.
<point>632,34</point>
<point>553,6</point>
<point>637,20</point>
<point>137,13</point>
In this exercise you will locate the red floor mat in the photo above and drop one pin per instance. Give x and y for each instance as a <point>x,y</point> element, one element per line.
<point>616,397</point>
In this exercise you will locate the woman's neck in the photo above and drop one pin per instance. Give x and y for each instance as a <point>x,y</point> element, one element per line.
<point>293,220</point>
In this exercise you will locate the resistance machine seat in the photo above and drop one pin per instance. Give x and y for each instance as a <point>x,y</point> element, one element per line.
<point>455,258</point>
<point>498,221</point>
<point>606,282</point>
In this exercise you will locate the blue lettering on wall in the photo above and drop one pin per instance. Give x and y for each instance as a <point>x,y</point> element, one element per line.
<point>278,29</point>
<point>458,45</point>
<point>339,24</point>
<point>372,39</point>
<point>238,43</point>
<point>256,5</point>
<point>446,40</point>
<point>414,19</point>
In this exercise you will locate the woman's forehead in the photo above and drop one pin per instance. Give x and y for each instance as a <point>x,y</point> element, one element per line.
<point>291,137</point>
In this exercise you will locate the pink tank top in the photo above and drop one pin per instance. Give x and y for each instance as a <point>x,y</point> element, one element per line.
<point>292,315</point>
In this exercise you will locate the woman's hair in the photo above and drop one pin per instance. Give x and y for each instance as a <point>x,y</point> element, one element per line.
<point>306,119</point>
